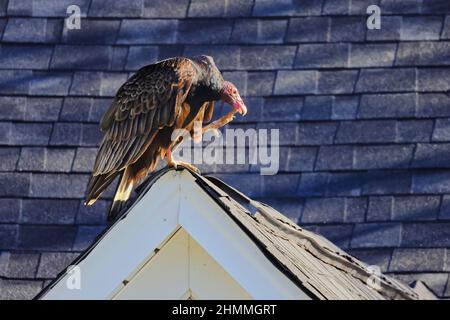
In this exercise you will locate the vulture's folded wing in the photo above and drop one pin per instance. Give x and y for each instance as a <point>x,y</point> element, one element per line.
<point>147,102</point>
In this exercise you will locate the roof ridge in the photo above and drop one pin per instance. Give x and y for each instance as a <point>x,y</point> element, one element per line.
<point>328,250</point>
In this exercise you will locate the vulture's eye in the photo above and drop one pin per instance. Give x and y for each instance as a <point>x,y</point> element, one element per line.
<point>234,91</point>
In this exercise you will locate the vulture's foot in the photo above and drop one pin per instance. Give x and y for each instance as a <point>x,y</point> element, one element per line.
<point>189,166</point>
<point>171,162</point>
<point>220,122</point>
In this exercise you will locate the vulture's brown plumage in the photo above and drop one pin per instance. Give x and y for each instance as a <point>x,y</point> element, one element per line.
<point>138,126</point>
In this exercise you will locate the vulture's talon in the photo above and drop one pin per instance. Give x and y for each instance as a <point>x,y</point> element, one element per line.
<point>216,132</point>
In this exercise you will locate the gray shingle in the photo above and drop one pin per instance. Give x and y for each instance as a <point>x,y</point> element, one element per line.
<point>441,130</point>
<point>317,133</point>
<point>95,214</point>
<point>355,209</point>
<point>421,28</point>
<point>8,236</point>
<point>335,158</point>
<point>52,263</point>
<point>147,31</point>
<point>45,211</point>
<point>433,105</point>
<point>20,7</point>
<point>333,7</point>
<point>446,28</point>
<point>165,8</point>
<point>329,55</point>
<point>301,159</point>
<point>287,8</point>
<point>42,109</point>
<point>24,57</point>
<point>323,210</point>
<point>66,134</point>
<point>390,30</point>
<point>86,83</point>
<point>401,7</point>
<point>86,235</point>
<point>426,234</point>
<point>45,159</point>
<point>91,135</point>
<point>416,208</point>
<point>9,157</point>
<point>204,31</point>
<point>386,80</point>
<point>273,187</point>
<point>309,29</point>
<point>57,8</point>
<point>9,210</point>
<point>110,83</point>
<point>432,155</point>
<point>81,57</point>
<point>380,208</point>
<point>345,184</point>
<point>33,237</point>
<point>437,181</point>
<point>317,108</point>
<point>19,289</point>
<point>259,31</point>
<point>282,108</point>
<point>296,82</point>
<point>84,159</point>
<point>380,182</point>
<point>387,106</point>
<point>423,53</point>
<point>344,107</point>
<point>435,79</point>
<point>111,8</point>
<point>15,81</point>
<point>347,29</point>
<point>360,7</point>
<point>267,57</point>
<point>210,8</point>
<point>260,83</point>
<point>366,131</point>
<point>94,31</point>
<point>21,265</point>
<point>140,56</point>
<point>372,55</point>
<point>414,130</point>
<point>26,133</point>
<point>29,30</point>
<point>373,235</point>
<point>383,157</point>
<point>312,184</point>
<point>47,185</point>
<point>444,212</point>
<point>46,83</point>
<point>337,82</point>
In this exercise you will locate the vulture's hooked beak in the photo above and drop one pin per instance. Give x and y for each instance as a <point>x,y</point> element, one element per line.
<point>232,97</point>
<point>240,106</point>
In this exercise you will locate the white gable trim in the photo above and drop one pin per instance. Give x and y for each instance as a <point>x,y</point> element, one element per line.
<point>175,201</point>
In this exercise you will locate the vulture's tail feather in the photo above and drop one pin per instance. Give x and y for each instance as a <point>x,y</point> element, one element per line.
<point>97,185</point>
<point>123,193</point>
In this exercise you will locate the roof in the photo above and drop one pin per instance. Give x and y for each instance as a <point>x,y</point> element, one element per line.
<point>312,262</point>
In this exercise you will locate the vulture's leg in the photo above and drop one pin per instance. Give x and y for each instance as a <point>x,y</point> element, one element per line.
<point>171,162</point>
<point>220,122</point>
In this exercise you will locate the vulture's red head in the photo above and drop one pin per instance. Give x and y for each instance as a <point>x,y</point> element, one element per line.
<point>230,95</point>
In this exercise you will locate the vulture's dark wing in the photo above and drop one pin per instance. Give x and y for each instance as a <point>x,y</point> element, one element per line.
<point>148,101</point>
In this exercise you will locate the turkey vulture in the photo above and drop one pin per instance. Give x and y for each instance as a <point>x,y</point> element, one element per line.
<point>148,107</point>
